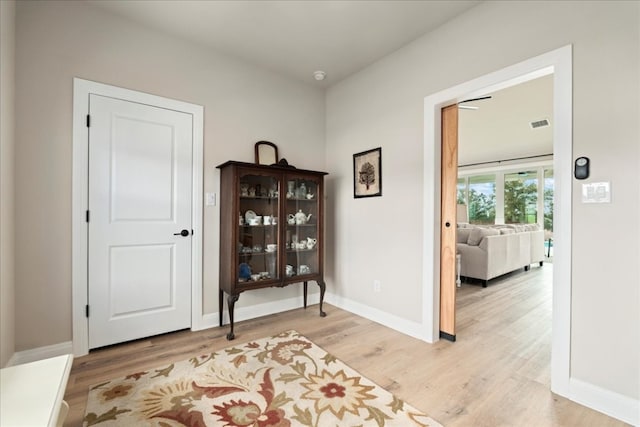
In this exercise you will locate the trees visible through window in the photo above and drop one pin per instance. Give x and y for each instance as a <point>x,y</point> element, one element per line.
<point>548,199</point>
<point>522,200</point>
<point>482,199</point>
<point>521,197</point>
<point>462,189</point>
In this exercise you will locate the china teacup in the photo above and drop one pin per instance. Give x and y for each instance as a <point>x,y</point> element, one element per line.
<point>271,247</point>
<point>304,269</point>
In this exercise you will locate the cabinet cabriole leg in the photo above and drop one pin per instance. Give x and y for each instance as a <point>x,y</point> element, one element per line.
<point>220,304</point>
<point>305,293</point>
<point>323,287</point>
<point>231,301</point>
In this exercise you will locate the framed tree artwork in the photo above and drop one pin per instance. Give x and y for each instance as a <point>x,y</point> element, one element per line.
<point>367,173</point>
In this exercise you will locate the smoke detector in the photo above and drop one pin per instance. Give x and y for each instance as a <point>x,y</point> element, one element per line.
<point>319,75</point>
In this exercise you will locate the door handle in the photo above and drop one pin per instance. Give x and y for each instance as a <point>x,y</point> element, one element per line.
<point>183,233</point>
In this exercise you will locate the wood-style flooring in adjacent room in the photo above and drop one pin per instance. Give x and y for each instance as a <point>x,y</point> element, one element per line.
<point>496,374</point>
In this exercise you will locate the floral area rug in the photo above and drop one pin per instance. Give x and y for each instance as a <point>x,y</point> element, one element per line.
<point>280,381</point>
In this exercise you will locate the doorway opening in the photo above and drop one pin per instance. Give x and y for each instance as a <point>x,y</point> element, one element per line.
<point>505,185</point>
<point>556,63</point>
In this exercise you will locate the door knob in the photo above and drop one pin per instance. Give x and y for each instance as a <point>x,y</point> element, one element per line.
<point>183,233</point>
<point>447,224</point>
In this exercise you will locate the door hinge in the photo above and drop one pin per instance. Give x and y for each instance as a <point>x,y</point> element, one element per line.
<point>88,120</point>
<point>86,310</point>
<point>87,216</point>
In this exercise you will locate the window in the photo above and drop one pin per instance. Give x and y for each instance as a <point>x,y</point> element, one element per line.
<point>521,197</point>
<point>462,191</point>
<point>482,199</point>
<point>548,199</point>
<point>514,196</point>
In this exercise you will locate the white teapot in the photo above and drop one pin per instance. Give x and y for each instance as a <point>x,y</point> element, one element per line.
<point>311,242</point>
<point>301,218</point>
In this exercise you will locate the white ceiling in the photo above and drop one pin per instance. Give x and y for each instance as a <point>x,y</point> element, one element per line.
<point>295,38</point>
<point>499,129</point>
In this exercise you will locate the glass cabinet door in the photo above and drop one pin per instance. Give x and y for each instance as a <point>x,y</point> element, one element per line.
<point>302,232</point>
<point>258,224</point>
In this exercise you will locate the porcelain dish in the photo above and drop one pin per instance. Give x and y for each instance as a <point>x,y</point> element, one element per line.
<point>249,215</point>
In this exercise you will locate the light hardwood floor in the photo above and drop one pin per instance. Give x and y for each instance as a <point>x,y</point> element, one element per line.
<point>496,374</point>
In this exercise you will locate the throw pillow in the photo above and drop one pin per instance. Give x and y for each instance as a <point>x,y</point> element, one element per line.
<point>462,235</point>
<point>477,234</point>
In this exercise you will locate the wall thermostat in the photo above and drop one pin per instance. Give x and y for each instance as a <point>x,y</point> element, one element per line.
<point>581,169</point>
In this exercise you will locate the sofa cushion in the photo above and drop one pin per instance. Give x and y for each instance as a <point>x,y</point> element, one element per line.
<point>477,234</point>
<point>462,235</point>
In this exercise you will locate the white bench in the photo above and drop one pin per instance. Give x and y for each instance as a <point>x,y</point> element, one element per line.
<point>32,394</point>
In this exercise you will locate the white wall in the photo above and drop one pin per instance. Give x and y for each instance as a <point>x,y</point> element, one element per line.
<point>56,41</point>
<point>379,238</point>
<point>7,146</point>
<point>375,238</point>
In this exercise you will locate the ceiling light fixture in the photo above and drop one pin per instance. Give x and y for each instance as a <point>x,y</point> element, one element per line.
<point>471,107</point>
<point>319,75</point>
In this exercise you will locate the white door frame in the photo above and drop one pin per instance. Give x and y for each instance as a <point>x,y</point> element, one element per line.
<point>80,178</point>
<point>558,62</point>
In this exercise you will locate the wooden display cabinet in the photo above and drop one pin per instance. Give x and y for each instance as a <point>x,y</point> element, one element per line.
<point>271,230</point>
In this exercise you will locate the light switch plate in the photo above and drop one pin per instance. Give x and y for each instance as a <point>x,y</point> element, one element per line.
<point>596,192</point>
<point>210,199</point>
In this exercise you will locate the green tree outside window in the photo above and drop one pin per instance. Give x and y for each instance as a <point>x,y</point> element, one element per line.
<point>482,199</point>
<point>520,198</point>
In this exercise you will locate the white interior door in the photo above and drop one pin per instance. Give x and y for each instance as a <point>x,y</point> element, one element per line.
<point>140,175</point>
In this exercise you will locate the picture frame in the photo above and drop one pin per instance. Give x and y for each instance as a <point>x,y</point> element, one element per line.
<point>367,173</point>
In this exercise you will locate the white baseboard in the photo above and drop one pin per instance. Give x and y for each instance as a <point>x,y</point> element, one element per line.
<point>208,321</point>
<point>407,327</point>
<point>404,326</point>
<point>599,399</point>
<point>212,320</point>
<point>40,353</point>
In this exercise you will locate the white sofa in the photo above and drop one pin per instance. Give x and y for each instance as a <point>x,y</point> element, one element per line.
<point>537,246</point>
<point>491,251</point>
